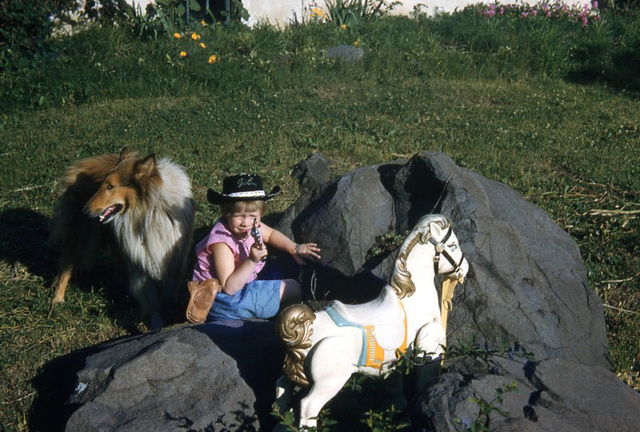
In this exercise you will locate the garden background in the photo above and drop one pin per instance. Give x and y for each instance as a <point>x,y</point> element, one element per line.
<point>541,97</point>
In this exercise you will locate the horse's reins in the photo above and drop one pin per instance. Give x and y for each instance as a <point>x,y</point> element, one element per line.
<point>441,250</point>
<point>449,284</point>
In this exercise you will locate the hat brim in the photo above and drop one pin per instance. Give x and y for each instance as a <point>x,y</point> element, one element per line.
<point>217,198</point>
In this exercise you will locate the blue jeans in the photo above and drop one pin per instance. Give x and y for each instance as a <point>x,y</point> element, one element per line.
<point>257,299</point>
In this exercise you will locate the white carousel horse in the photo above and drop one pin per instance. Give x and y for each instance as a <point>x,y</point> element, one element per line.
<point>323,349</point>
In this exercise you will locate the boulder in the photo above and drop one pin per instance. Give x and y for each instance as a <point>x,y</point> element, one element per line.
<point>347,53</point>
<point>527,281</point>
<point>312,172</point>
<point>189,377</point>
<point>552,395</point>
<point>527,288</point>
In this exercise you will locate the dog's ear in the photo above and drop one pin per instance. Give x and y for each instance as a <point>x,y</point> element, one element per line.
<point>124,152</point>
<point>145,167</point>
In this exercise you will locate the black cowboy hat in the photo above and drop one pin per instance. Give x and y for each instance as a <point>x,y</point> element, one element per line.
<point>241,187</point>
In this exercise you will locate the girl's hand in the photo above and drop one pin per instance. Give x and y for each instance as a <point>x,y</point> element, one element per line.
<point>306,250</point>
<point>257,253</point>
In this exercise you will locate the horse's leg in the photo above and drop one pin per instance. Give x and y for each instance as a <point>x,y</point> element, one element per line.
<point>394,390</point>
<point>333,362</point>
<point>284,392</point>
<point>429,341</point>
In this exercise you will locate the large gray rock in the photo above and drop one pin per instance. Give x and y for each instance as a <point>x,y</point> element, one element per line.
<point>356,207</point>
<point>196,377</point>
<point>554,395</point>
<point>527,283</point>
<point>347,53</point>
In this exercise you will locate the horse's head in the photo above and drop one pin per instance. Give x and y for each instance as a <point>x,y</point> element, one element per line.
<point>449,260</point>
<point>431,237</point>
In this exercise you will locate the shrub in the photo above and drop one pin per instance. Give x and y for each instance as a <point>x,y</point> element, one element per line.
<point>25,29</point>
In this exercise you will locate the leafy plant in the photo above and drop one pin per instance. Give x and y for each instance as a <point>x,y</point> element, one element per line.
<point>385,421</point>
<point>472,349</point>
<point>142,24</point>
<point>353,12</point>
<point>287,419</point>
<point>25,30</point>
<point>385,243</point>
<point>173,14</point>
<point>486,409</point>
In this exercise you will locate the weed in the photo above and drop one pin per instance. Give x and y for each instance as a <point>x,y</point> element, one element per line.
<point>385,244</point>
<point>486,409</point>
<point>351,13</point>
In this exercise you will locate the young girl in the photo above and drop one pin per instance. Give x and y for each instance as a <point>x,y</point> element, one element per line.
<point>231,254</point>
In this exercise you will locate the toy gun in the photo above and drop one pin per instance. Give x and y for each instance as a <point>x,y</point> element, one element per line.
<point>255,233</point>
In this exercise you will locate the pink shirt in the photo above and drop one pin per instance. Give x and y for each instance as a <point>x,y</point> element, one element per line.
<point>220,234</point>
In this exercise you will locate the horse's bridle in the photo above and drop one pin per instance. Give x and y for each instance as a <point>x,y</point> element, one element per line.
<point>442,250</point>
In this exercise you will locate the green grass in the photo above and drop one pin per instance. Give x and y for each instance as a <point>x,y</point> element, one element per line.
<point>516,115</point>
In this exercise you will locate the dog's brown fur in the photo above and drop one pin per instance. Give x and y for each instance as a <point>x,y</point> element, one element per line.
<point>141,205</point>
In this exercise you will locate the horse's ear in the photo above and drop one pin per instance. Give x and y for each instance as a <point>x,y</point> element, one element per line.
<point>435,228</point>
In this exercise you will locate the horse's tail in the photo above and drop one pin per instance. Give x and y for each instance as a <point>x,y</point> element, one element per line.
<point>294,328</point>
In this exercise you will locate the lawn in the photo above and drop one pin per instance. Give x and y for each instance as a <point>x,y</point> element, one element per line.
<point>497,96</point>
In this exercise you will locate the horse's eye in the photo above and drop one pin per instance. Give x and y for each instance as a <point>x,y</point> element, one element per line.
<point>452,246</point>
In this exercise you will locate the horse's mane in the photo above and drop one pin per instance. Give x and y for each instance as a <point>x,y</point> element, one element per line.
<point>401,278</point>
<point>294,328</point>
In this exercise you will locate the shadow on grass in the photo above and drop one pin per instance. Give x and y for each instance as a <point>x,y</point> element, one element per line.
<point>24,237</point>
<point>23,240</point>
<point>55,383</point>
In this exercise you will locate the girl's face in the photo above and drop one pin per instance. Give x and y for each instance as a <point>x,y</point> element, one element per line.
<point>240,220</point>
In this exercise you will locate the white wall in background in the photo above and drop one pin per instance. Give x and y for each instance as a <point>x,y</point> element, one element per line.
<point>282,12</point>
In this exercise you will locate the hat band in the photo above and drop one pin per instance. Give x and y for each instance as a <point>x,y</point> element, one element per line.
<point>248,194</point>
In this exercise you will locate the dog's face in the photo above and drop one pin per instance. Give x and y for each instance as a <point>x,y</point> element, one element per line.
<point>122,188</point>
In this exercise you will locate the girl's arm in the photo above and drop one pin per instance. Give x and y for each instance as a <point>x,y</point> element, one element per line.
<point>233,279</point>
<point>276,239</point>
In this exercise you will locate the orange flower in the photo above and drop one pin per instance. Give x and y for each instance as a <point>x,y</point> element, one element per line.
<point>202,45</point>
<point>183,54</point>
<point>212,59</point>
<point>195,36</point>
<point>177,35</point>
<point>316,12</point>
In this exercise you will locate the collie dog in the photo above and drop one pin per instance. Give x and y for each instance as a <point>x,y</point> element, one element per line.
<point>142,208</point>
